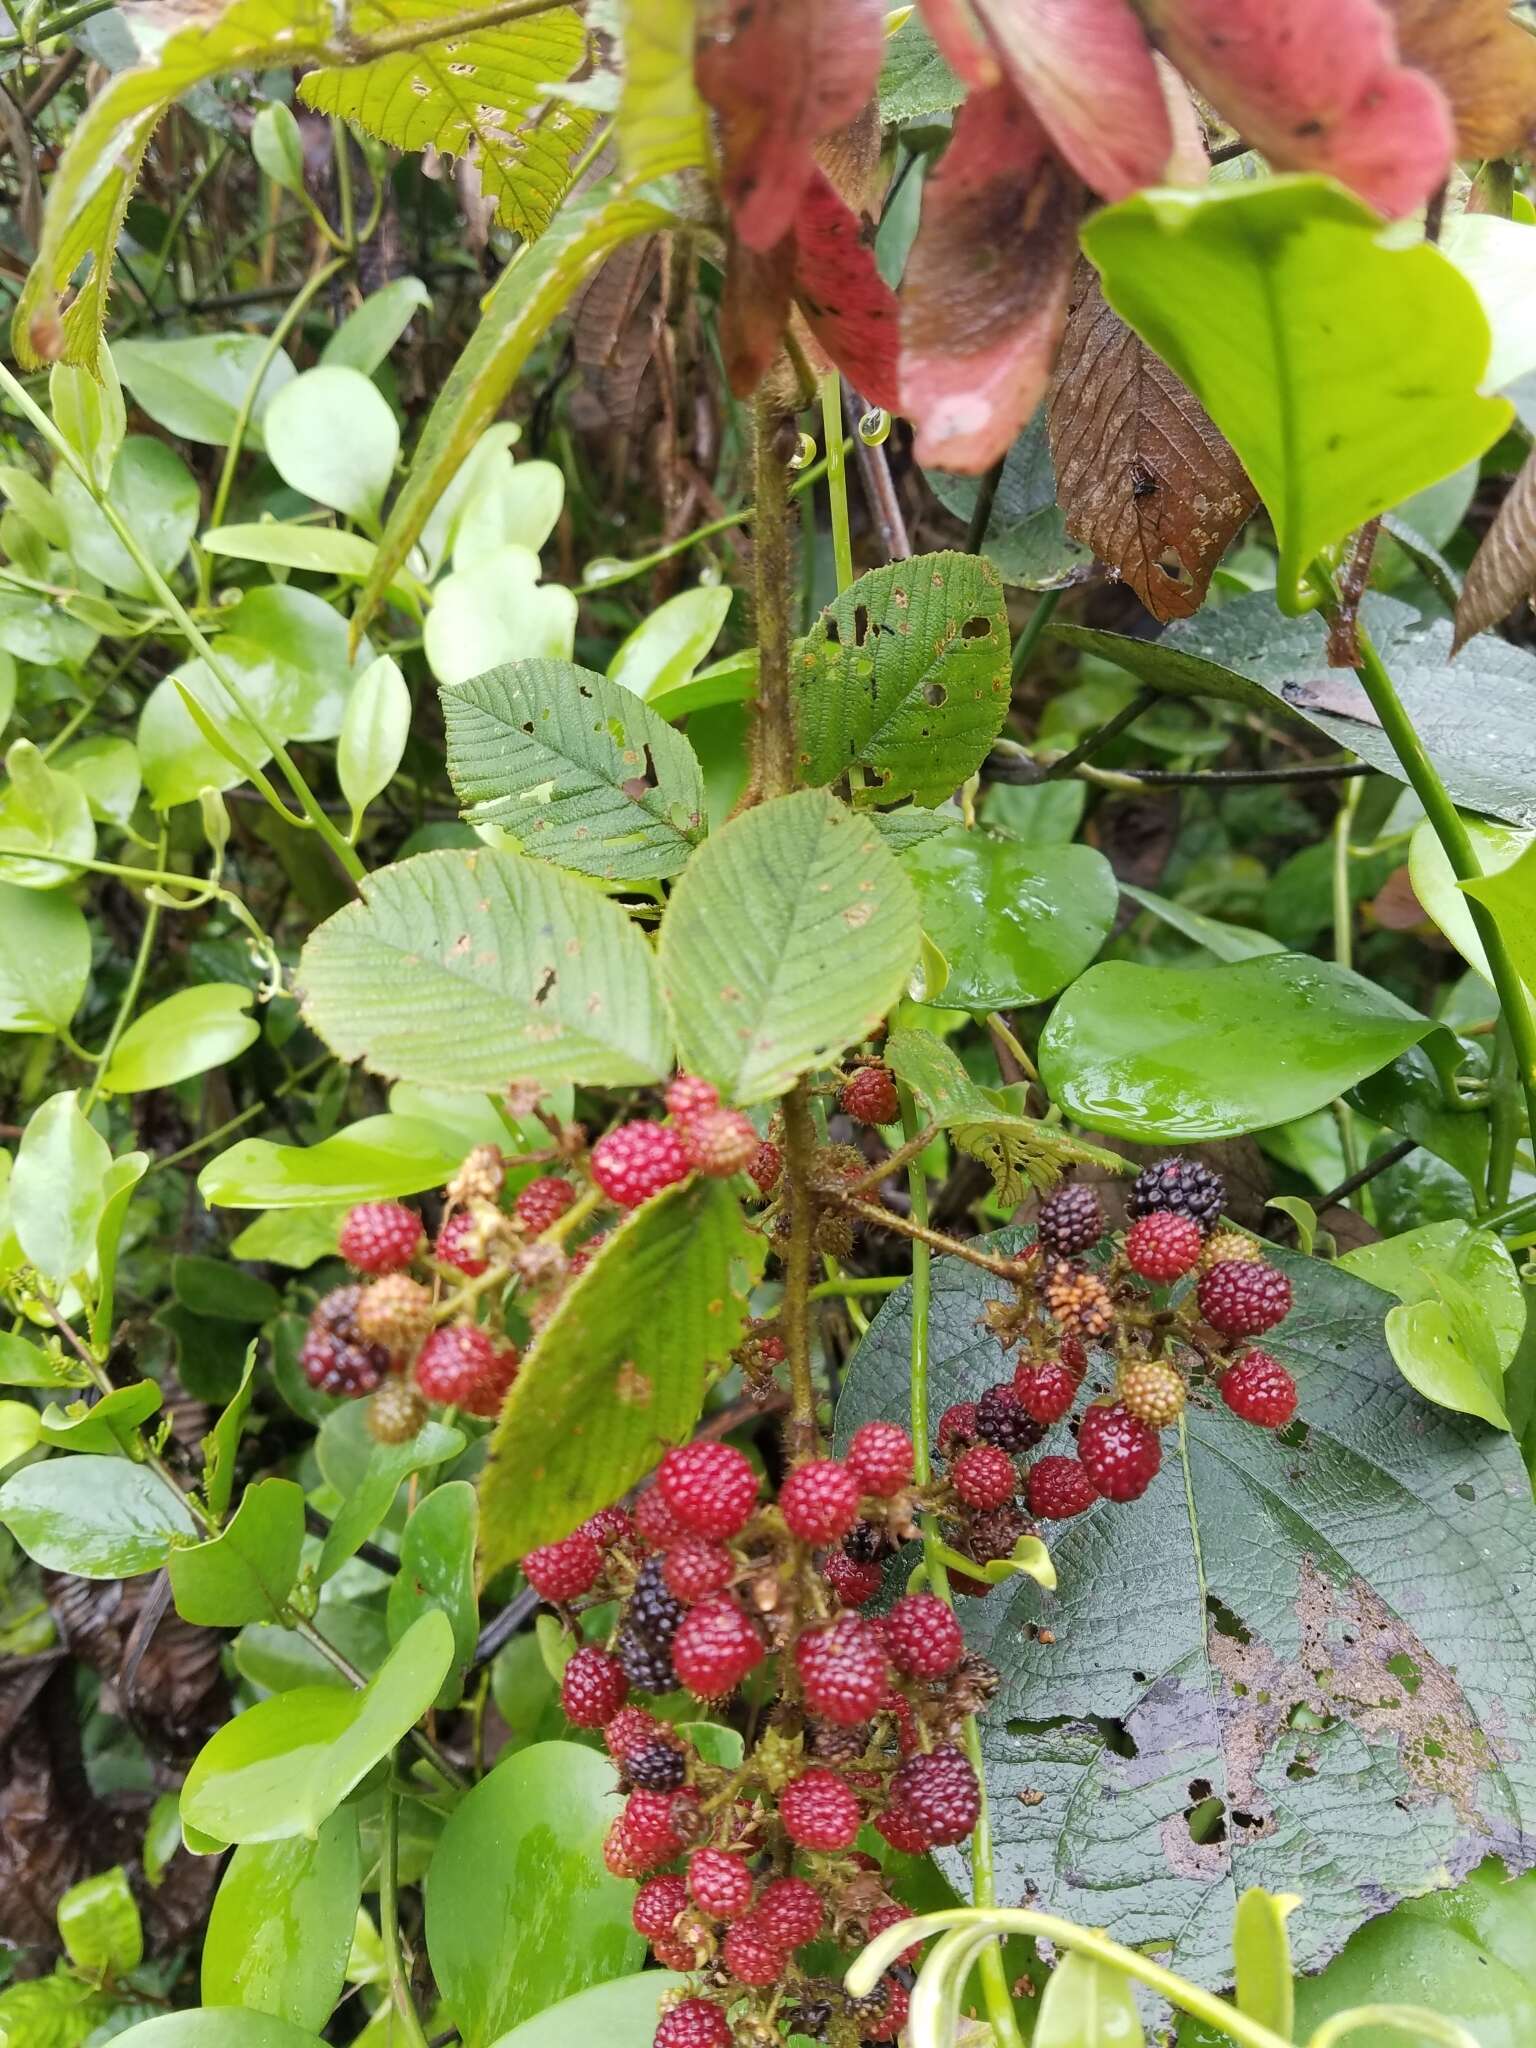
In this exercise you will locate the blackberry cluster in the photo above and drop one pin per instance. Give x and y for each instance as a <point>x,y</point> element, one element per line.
<point>859,1725</point>
<point>1160,1352</point>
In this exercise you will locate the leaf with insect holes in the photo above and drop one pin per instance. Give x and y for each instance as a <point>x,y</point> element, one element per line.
<point>984,296</point>
<point>470,969</point>
<point>1144,478</point>
<point>1484,62</point>
<point>780,79</point>
<point>577,768</point>
<point>1503,571</point>
<point>610,1383</point>
<point>1308,1638</point>
<point>1316,85</point>
<point>483,96</point>
<point>789,935</point>
<point>517,314</point>
<point>905,677</point>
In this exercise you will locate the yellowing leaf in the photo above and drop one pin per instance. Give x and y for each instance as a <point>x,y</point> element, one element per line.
<point>661,117</point>
<point>482,96</point>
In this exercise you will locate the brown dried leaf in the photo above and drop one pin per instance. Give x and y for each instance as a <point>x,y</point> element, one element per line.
<point>1503,570</point>
<point>1484,63</point>
<point>1143,477</point>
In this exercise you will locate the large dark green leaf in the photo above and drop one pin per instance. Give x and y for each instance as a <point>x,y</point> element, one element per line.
<point>1185,1053</point>
<point>1476,715</point>
<point>578,768</point>
<point>906,677</point>
<point>1320,1633</point>
<point>611,1382</point>
<point>470,969</point>
<point>520,1909</point>
<point>1015,923</point>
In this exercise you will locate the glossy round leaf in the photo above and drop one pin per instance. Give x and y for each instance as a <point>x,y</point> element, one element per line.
<point>247,1571</point>
<point>372,1160</point>
<point>669,643</point>
<point>1183,1054</point>
<point>191,1031</point>
<point>521,1911</point>
<point>282,1922</point>
<point>373,734</point>
<point>41,812</point>
<point>219,2027</point>
<point>619,2014</point>
<point>96,1517</point>
<point>107,770</point>
<point>497,612</point>
<point>518,504</point>
<point>59,1187</point>
<point>155,495</point>
<point>364,339</point>
<point>45,958</point>
<point>1015,923</point>
<point>331,435</point>
<point>194,388</point>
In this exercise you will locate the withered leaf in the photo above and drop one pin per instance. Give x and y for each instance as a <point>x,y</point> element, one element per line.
<point>781,78</point>
<point>848,306</point>
<point>1483,62</point>
<point>1503,570</point>
<point>754,311</point>
<point>984,298</point>
<point>1143,477</point>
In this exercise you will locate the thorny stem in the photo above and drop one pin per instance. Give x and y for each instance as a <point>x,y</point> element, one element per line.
<point>919,1232</point>
<point>800,1430</point>
<point>994,1982</point>
<point>910,1149</point>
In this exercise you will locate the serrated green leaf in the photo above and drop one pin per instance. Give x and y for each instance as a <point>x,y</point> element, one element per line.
<point>906,677</point>
<point>100,1927</point>
<point>1297,1624</point>
<point>481,96</point>
<point>577,768</point>
<point>527,296</point>
<point>660,123</point>
<point>610,1383</point>
<point>790,934</point>
<point>468,970</point>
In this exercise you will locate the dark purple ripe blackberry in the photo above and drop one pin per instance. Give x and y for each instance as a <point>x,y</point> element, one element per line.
<point>1002,1419</point>
<point>1179,1187</point>
<point>864,1543</point>
<point>647,1665</point>
<point>658,1767</point>
<point>1071,1220</point>
<point>336,1357</point>
<point>654,1610</point>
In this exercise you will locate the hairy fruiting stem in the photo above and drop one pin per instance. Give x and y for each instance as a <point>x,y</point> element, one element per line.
<point>800,1430</point>
<point>773,730</point>
<point>920,1233</point>
<point>894,1162</point>
<point>994,1981</point>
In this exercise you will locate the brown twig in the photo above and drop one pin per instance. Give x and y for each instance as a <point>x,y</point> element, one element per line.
<point>952,1247</point>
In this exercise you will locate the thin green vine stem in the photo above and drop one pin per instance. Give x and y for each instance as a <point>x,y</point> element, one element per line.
<point>994,1978</point>
<point>1034,628</point>
<point>837,478</point>
<point>857,1284</point>
<point>129,1003</point>
<point>389,1922</point>
<point>1456,842</point>
<point>200,893</point>
<point>1344,946</point>
<point>310,804</point>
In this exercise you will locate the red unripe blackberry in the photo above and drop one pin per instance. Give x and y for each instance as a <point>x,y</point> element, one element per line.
<point>632,1728</point>
<point>843,1670</point>
<point>790,1911</point>
<point>884,1917</point>
<point>1071,1220</point>
<point>1046,1391</point>
<point>721,1884</point>
<point>893,2016</point>
<point>649,1821</point>
<point>655,1523</point>
<point>622,1856</point>
<point>586,1252</point>
<point>485,1397</point>
<point>750,1956</point>
<point>902,1828</point>
<point>657,1904</point>
<point>564,1570</point>
<point>1058,1488</point>
<point>983,1476</point>
<point>957,1427</point>
<point>380,1237</point>
<point>720,1144</point>
<point>1244,1298</point>
<point>543,1202</point>
<point>710,1488</point>
<point>1163,1246</point>
<point>1258,1388</point>
<point>1183,1186</point>
<point>869,1096</point>
<point>592,1687</point>
<point>673,1953</point>
<point>820,1501</point>
<point>336,1358</point>
<point>940,1791</point>
<point>852,1582</point>
<point>819,1811</point>
<point>463,1366</point>
<point>688,1097</point>
<point>765,1166</point>
<point>994,1533</point>
<point>608,1526</point>
<point>634,1161</point>
<point>923,1636</point>
<point>1002,1419</point>
<point>695,1566</point>
<point>694,2024</point>
<point>1120,1454</point>
<point>715,1648</point>
<point>879,1456</point>
<point>458,1245</point>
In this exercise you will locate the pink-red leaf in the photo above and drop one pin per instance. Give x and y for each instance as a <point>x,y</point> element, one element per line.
<point>962,41</point>
<point>754,311</point>
<point>781,74</point>
<point>848,306</point>
<point>1317,85</point>
<point>1087,70</point>
<point>984,298</point>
